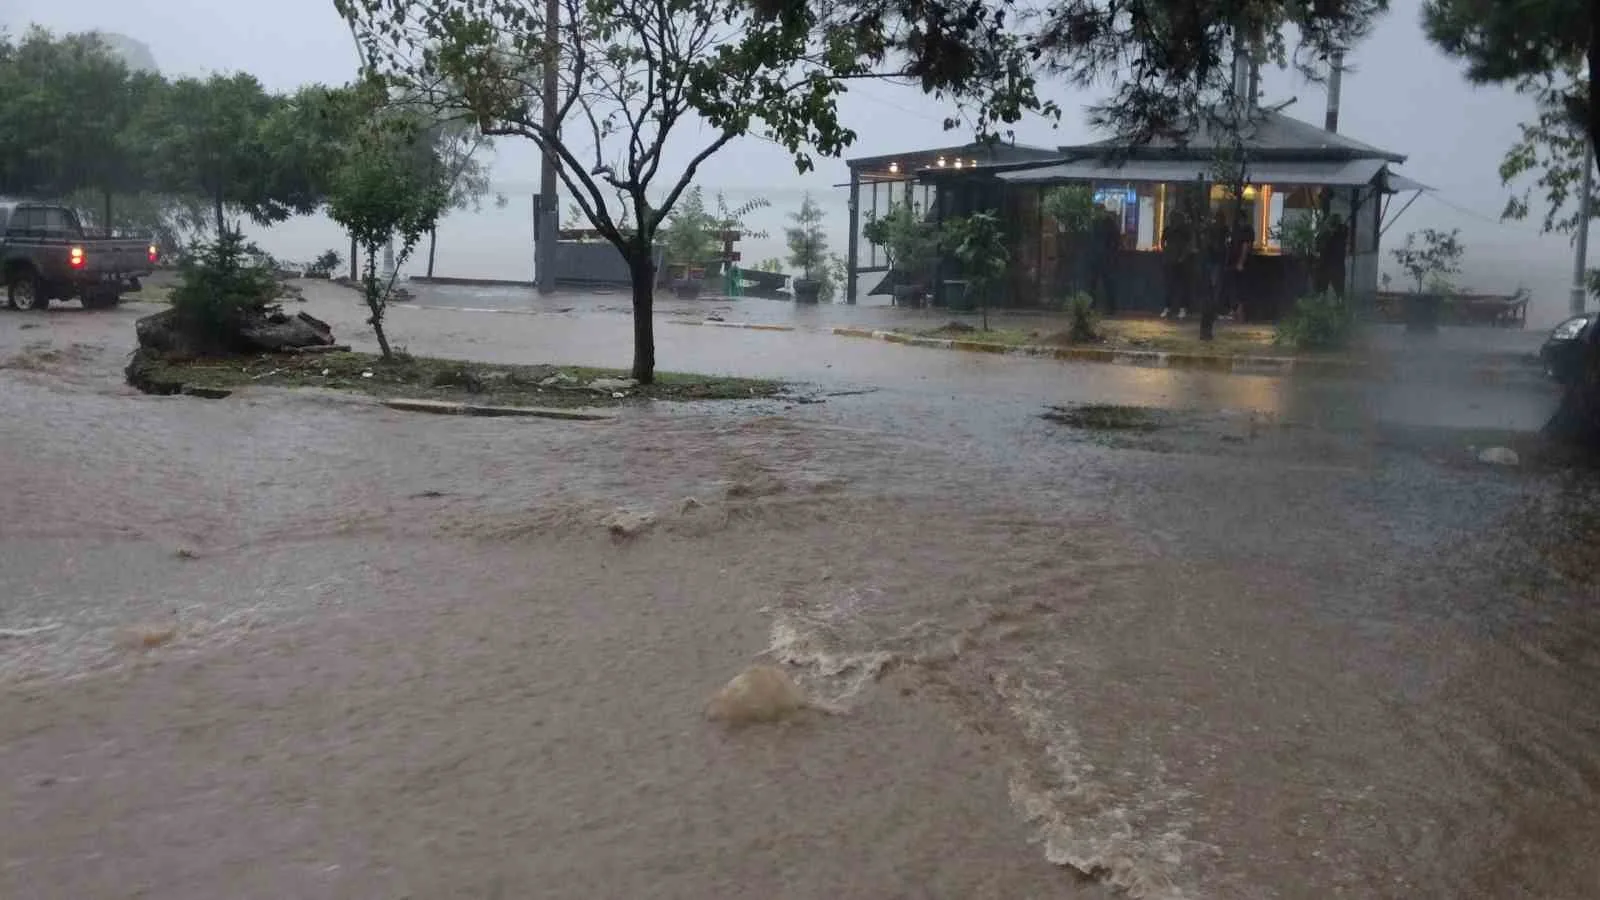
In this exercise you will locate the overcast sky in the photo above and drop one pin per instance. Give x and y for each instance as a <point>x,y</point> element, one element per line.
<point>1403,96</point>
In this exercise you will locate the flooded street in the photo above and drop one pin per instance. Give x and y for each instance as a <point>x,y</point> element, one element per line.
<point>1291,642</point>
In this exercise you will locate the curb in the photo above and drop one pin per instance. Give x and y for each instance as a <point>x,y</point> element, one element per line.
<point>752,326</point>
<point>1148,359</point>
<point>440,407</point>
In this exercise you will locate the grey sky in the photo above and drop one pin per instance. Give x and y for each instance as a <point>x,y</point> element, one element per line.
<point>1403,96</point>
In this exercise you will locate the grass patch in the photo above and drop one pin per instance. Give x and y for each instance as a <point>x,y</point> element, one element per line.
<point>1133,334</point>
<point>960,331</point>
<point>1103,417</point>
<point>433,379</point>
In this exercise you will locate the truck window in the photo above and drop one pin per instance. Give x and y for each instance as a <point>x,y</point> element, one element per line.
<point>44,221</point>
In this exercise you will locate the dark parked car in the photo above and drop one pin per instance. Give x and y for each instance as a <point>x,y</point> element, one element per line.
<point>45,254</point>
<point>1562,353</point>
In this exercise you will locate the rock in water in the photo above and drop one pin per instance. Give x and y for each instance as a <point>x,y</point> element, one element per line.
<point>269,330</point>
<point>758,694</point>
<point>277,331</point>
<point>627,523</point>
<point>1499,456</point>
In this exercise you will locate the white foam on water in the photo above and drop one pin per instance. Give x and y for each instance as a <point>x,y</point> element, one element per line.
<point>1078,820</point>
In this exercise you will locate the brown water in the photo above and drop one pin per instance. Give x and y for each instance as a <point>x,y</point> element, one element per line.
<point>410,661</point>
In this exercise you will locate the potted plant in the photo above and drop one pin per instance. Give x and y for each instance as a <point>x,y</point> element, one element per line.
<point>1431,259</point>
<point>808,250</point>
<point>910,245</point>
<point>978,241</point>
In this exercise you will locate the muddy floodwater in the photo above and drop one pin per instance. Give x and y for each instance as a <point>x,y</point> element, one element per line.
<point>1272,643</point>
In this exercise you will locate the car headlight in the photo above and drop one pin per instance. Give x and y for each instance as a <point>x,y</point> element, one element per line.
<point>1570,329</point>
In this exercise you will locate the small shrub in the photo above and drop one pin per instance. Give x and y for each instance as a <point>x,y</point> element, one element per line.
<point>324,265</point>
<point>1083,320</point>
<point>218,285</point>
<point>1318,322</point>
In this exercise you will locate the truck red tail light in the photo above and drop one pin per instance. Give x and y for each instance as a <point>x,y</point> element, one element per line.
<point>154,254</point>
<point>75,257</point>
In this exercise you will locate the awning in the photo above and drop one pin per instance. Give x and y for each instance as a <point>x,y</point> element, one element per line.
<point>1347,173</point>
<point>1398,183</point>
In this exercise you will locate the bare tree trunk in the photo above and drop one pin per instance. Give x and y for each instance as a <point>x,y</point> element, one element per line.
<point>642,262</point>
<point>107,223</point>
<point>217,205</point>
<point>374,295</point>
<point>433,241</point>
<point>355,271</point>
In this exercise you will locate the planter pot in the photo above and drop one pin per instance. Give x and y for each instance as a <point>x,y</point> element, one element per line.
<point>807,290</point>
<point>956,296</point>
<point>687,288</point>
<point>1421,313</point>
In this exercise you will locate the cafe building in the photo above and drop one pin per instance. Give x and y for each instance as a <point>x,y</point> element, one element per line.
<point>1290,169</point>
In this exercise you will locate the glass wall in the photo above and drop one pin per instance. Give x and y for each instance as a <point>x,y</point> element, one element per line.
<point>877,197</point>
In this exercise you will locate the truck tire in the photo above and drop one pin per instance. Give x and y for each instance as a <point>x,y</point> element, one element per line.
<point>25,291</point>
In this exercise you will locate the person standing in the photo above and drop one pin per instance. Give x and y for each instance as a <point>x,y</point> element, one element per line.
<point>1331,245</point>
<point>1215,250</point>
<point>1178,257</point>
<point>1241,240</point>
<point>1105,240</point>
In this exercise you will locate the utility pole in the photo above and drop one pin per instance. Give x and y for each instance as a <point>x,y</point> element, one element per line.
<point>1580,260</point>
<point>547,220</point>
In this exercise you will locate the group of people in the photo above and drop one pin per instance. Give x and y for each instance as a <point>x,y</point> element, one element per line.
<point>1213,258</point>
<point>1209,258</point>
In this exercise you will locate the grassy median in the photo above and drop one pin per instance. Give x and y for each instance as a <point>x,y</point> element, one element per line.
<point>456,381</point>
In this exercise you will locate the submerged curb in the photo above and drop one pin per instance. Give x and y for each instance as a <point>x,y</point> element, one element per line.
<point>1149,359</point>
<point>752,326</point>
<point>441,407</point>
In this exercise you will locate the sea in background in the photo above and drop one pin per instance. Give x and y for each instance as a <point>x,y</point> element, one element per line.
<point>497,241</point>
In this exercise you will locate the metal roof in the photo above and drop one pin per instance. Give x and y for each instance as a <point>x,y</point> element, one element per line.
<point>1269,133</point>
<point>984,153</point>
<point>1351,172</point>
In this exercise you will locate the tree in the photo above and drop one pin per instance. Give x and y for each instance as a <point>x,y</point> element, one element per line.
<point>910,243</point>
<point>686,234</point>
<point>1437,255</point>
<point>631,75</point>
<point>457,145</point>
<point>1551,150</point>
<point>221,139</point>
<point>1552,46</point>
<point>386,188</point>
<point>64,123</point>
<point>1509,43</point>
<point>1073,208</point>
<point>808,248</point>
<point>978,241</point>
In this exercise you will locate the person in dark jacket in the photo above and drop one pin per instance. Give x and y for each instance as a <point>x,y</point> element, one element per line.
<point>1105,239</point>
<point>1241,240</point>
<point>1178,250</point>
<point>1332,244</point>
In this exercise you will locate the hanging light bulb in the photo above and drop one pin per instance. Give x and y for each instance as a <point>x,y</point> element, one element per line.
<point>958,163</point>
<point>894,168</point>
<point>941,162</point>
